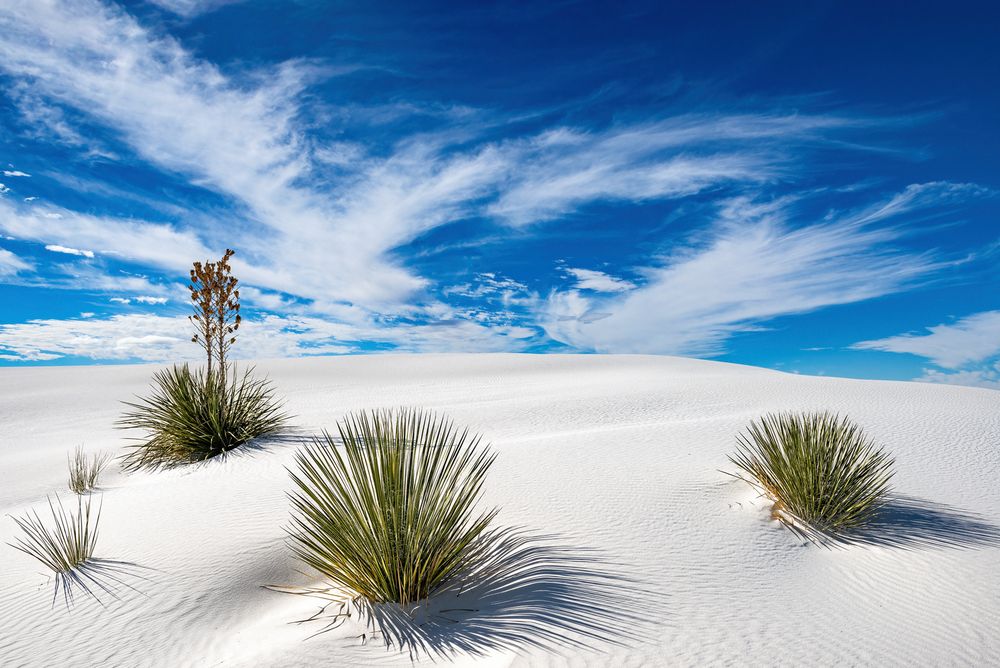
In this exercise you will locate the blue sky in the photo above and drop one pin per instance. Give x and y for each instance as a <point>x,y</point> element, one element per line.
<point>811,187</point>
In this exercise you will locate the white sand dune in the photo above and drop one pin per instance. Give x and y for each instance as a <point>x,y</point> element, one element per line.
<point>654,556</point>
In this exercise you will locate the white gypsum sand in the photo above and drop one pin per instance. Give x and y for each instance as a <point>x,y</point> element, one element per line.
<point>616,458</point>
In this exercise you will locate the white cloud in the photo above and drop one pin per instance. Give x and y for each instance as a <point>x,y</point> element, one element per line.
<point>161,339</point>
<point>189,8</point>
<point>120,300</point>
<point>47,121</point>
<point>988,377</point>
<point>14,172</point>
<point>4,189</point>
<point>69,251</point>
<point>80,276</point>
<point>598,281</point>
<point>329,245</point>
<point>563,169</point>
<point>490,285</point>
<point>751,267</point>
<point>160,245</point>
<point>974,338</point>
<point>145,299</point>
<point>242,138</point>
<point>11,264</point>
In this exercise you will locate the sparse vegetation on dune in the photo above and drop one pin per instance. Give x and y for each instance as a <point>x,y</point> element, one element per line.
<point>65,547</point>
<point>192,416</point>
<point>819,469</point>
<point>195,415</point>
<point>389,514</point>
<point>84,470</point>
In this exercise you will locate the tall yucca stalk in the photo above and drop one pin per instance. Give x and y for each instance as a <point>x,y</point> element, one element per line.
<point>216,301</point>
<point>390,515</point>
<point>195,415</point>
<point>818,468</point>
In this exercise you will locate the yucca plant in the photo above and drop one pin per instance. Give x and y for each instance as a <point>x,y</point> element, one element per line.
<point>390,514</point>
<point>84,470</point>
<point>196,415</point>
<point>67,547</point>
<point>818,468</point>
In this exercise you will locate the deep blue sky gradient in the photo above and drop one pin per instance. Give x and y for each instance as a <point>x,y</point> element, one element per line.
<point>400,90</point>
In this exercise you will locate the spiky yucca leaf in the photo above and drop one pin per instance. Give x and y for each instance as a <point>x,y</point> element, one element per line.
<point>819,468</point>
<point>65,547</point>
<point>390,515</point>
<point>196,415</point>
<point>84,471</point>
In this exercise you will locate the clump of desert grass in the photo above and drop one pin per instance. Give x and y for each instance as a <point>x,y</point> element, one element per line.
<point>194,415</point>
<point>67,546</point>
<point>820,469</point>
<point>389,514</point>
<point>85,470</point>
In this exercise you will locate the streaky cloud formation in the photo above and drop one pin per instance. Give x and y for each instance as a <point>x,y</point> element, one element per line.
<point>189,8</point>
<point>598,281</point>
<point>968,350</point>
<point>750,267</point>
<point>11,264</point>
<point>373,214</point>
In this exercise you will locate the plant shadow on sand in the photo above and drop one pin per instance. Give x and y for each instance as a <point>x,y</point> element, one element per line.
<point>99,578</point>
<point>910,523</point>
<point>253,447</point>
<point>531,593</point>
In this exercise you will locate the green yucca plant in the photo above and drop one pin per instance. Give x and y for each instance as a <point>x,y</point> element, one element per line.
<point>196,415</point>
<point>390,515</point>
<point>68,545</point>
<point>84,471</point>
<point>818,468</point>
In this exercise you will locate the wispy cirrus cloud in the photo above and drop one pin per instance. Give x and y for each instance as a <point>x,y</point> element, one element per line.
<point>324,223</point>
<point>11,264</point>
<point>190,8</point>
<point>140,299</point>
<point>154,338</point>
<point>160,245</point>
<point>598,281</point>
<point>242,139</point>
<point>751,266</point>
<point>986,376</point>
<point>563,169</point>
<point>967,350</point>
<point>66,250</point>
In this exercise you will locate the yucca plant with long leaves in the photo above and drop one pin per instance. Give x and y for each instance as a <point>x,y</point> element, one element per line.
<point>195,415</point>
<point>390,514</point>
<point>85,470</point>
<point>819,469</point>
<point>65,547</point>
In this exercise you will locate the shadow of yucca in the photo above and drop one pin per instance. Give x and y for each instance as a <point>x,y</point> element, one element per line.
<point>528,593</point>
<point>909,522</point>
<point>65,546</point>
<point>290,436</point>
<point>99,579</point>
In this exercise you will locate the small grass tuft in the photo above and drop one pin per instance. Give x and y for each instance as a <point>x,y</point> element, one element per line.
<point>84,471</point>
<point>819,469</point>
<point>197,415</point>
<point>390,515</point>
<point>67,546</point>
